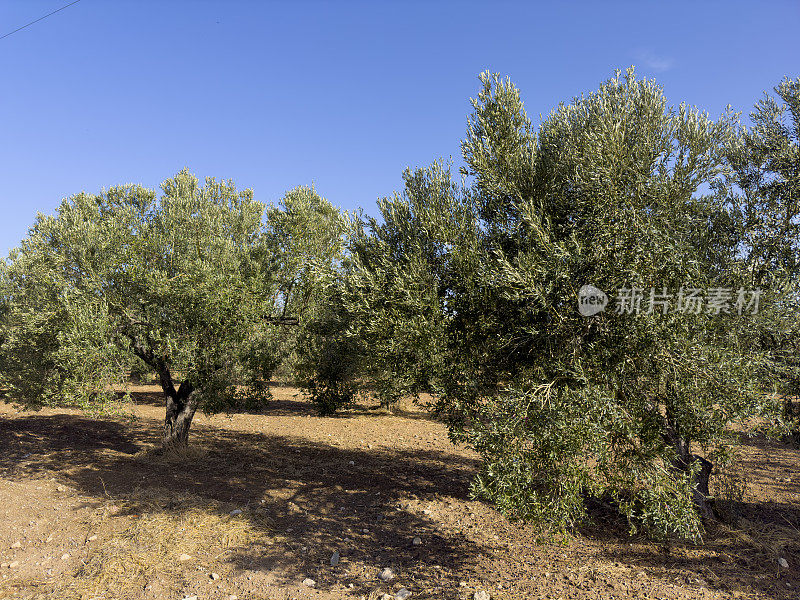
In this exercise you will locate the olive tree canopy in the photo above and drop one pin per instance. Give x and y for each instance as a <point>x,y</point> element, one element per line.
<point>183,282</point>
<point>479,303</point>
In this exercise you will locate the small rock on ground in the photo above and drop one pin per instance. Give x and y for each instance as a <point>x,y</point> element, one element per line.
<point>417,541</point>
<point>335,558</point>
<point>402,594</point>
<point>482,595</point>
<point>386,575</point>
<point>783,562</point>
<point>308,582</point>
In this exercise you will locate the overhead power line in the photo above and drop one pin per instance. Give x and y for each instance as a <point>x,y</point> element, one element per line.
<point>39,19</point>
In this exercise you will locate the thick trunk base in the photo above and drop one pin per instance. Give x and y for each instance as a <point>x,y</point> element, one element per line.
<point>176,430</point>
<point>701,495</point>
<point>684,462</point>
<point>181,403</point>
<point>180,412</point>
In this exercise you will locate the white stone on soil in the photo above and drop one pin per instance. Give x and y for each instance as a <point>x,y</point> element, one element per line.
<point>386,575</point>
<point>308,582</point>
<point>783,562</point>
<point>335,558</point>
<point>482,595</point>
<point>417,541</point>
<point>402,594</point>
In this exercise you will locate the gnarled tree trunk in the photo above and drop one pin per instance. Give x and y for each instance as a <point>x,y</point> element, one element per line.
<point>700,493</point>
<point>684,460</point>
<point>181,404</point>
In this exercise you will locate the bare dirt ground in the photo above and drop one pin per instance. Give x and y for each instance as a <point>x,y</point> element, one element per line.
<point>262,501</point>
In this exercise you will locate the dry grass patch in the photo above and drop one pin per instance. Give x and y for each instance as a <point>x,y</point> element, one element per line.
<point>166,539</point>
<point>761,543</point>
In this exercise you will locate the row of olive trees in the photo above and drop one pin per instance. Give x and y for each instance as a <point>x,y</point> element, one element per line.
<point>465,290</point>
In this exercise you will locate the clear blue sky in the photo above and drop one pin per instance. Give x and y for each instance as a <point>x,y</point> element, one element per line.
<point>342,94</point>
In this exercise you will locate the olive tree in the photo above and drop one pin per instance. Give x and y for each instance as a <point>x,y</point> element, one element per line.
<point>310,237</point>
<point>616,190</point>
<point>628,404</point>
<point>183,282</point>
<point>764,188</point>
<point>399,279</point>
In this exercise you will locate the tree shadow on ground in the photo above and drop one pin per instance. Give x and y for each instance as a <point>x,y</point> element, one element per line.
<point>281,408</point>
<point>738,554</point>
<point>316,496</point>
<point>780,443</point>
<point>742,560</point>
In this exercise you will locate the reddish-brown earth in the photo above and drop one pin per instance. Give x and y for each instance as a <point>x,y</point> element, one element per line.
<point>86,512</point>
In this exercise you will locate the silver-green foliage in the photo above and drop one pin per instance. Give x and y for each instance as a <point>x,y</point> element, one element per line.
<point>472,294</point>
<point>397,289</point>
<point>182,282</point>
<point>765,190</point>
<point>310,237</point>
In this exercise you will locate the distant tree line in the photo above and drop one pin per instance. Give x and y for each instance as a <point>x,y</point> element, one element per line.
<point>465,289</point>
